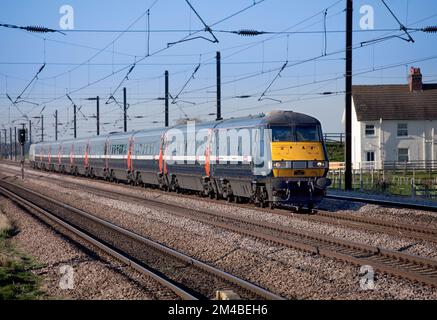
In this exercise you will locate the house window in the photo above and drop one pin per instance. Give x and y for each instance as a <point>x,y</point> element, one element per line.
<point>370,156</point>
<point>370,130</point>
<point>403,155</point>
<point>402,129</point>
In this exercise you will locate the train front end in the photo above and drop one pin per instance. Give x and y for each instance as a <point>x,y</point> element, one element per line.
<point>299,162</point>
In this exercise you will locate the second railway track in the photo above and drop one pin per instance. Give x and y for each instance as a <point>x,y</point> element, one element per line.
<point>406,266</point>
<point>402,265</point>
<point>341,219</point>
<point>186,276</point>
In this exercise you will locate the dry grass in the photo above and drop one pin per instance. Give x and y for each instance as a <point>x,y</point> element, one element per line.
<point>5,228</point>
<point>16,279</point>
<point>5,225</point>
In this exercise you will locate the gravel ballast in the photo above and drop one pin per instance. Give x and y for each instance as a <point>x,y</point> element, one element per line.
<point>288,272</point>
<point>95,276</point>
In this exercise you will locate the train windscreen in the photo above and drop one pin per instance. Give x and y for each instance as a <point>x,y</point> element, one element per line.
<point>299,133</point>
<point>307,133</point>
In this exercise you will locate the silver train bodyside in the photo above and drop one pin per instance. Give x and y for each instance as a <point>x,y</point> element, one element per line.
<point>140,158</point>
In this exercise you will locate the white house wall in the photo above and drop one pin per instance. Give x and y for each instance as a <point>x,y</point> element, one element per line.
<point>421,141</point>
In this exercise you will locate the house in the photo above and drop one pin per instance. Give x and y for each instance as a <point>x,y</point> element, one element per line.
<point>395,125</point>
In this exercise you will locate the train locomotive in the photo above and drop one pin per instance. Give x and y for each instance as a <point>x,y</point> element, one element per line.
<point>273,159</point>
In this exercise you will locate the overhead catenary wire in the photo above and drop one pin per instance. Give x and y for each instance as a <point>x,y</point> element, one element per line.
<point>217,22</point>
<point>390,30</point>
<point>104,78</point>
<point>322,56</point>
<point>139,60</point>
<point>36,29</point>
<point>222,20</point>
<point>109,44</point>
<point>325,93</point>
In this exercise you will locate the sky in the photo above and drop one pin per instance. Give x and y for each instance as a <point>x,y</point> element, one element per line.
<point>292,70</point>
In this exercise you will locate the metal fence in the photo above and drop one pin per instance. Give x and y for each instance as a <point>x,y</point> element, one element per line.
<point>413,183</point>
<point>411,165</point>
<point>334,137</point>
<point>419,165</point>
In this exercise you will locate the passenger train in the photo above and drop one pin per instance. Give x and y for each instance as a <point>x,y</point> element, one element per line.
<point>273,159</point>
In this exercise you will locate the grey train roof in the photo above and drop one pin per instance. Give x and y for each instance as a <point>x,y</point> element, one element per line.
<point>279,117</point>
<point>286,117</point>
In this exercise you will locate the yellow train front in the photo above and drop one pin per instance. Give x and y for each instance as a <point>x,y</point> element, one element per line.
<point>299,161</point>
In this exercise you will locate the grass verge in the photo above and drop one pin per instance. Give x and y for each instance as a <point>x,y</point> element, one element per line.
<point>17,282</point>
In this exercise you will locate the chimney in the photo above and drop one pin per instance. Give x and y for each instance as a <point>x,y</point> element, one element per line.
<point>415,80</point>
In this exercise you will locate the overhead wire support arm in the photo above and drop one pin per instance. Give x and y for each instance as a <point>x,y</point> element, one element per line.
<point>401,25</point>
<point>186,83</point>
<point>383,39</point>
<point>126,77</point>
<point>177,104</point>
<point>78,108</point>
<point>207,29</point>
<point>262,97</point>
<point>15,105</point>
<point>31,81</point>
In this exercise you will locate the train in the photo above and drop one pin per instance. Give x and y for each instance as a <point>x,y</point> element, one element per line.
<point>273,159</point>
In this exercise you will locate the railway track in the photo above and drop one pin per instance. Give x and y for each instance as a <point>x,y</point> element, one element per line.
<point>186,277</point>
<point>340,219</point>
<point>395,263</point>
<point>392,262</point>
<point>371,224</point>
<point>387,203</point>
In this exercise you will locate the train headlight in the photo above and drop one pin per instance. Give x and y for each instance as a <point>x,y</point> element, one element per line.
<point>317,164</point>
<point>277,164</point>
<point>281,164</point>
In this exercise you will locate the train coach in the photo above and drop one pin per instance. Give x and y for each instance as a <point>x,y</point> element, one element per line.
<point>272,159</point>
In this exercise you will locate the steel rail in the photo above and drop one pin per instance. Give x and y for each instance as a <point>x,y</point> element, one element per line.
<point>345,220</point>
<point>178,291</point>
<point>157,246</point>
<point>399,264</point>
<point>387,203</point>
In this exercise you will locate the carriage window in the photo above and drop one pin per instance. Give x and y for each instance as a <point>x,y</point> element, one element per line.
<point>240,146</point>
<point>307,133</point>
<point>261,135</point>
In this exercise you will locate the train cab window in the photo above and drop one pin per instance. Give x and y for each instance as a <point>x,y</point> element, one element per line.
<point>282,133</point>
<point>305,133</point>
<point>299,133</point>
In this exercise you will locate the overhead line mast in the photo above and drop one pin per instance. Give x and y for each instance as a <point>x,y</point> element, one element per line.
<point>348,89</point>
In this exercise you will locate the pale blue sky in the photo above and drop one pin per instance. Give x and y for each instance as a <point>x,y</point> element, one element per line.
<point>69,67</point>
